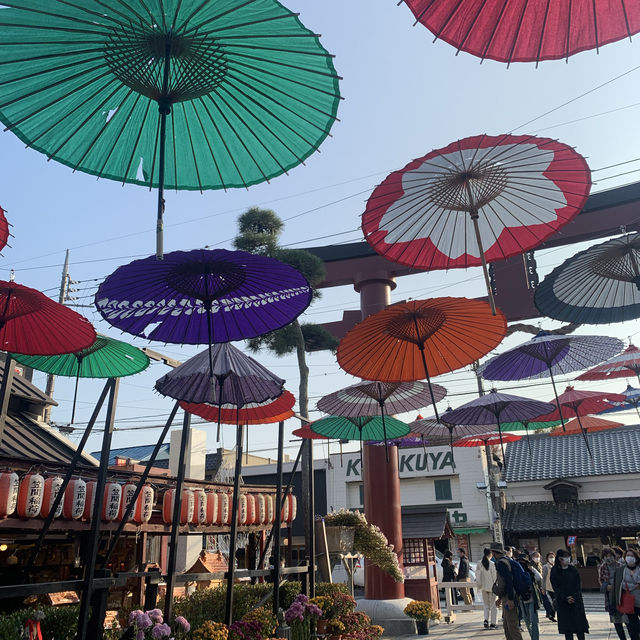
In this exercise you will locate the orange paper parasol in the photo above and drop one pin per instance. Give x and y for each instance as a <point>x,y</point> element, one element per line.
<point>588,423</point>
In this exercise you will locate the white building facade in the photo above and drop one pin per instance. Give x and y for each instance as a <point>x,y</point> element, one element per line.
<point>430,478</point>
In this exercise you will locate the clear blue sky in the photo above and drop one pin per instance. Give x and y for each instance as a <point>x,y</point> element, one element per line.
<point>404,96</point>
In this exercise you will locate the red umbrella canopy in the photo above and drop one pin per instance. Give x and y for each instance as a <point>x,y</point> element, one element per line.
<point>307,434</point>
<point>255,413</point>
<point>527,30</point>
<point>33,324</point>
<point>622,366</point>
<point>484,197</point>
<point>483,439</point>
<point>582,403</point>
<point>587,423</point>
<point>4,230</point>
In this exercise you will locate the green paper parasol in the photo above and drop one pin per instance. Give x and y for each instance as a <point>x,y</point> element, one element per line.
<point>361,429</point>
<point>178,93</point>
<point>105,358</point>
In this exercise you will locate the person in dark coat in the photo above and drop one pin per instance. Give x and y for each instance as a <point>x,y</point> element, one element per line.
<point>567,588</point>
<point>449,573</point>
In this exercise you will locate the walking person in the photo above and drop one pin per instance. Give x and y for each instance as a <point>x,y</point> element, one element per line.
<point>631,582</point>
<point>606,577</point>
<point>449,573</point>
<point>547,589</point>
<point>486,577</point>
<point>505,590</point>
<point>567,588</point>
<point>463,576</point>
<point>531,602</point>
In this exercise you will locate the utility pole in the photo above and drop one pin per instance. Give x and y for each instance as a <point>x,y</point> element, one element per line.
<point>62,298</point>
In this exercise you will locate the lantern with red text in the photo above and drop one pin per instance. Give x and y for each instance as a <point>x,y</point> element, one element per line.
<point>261,508</point>
<point>222,515</point>
<point>212,507</point>
<point>51,489</point>
<point>200,507</point>
<point>9,487</point>
<point>144,505</point>
<point>290,508</point>
<point>75,496</point>
<point>30,495</point>
<point>110,503</point>
<point>127,495</point>
<point>186,508</point>
<point>252,513</point>
<point>242,509</point>
<point>269,502</point>
<point>229,514</point>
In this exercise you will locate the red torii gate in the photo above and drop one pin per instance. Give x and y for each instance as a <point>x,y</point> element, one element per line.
<point>606,213</point>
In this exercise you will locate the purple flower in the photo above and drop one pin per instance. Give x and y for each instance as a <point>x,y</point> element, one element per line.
<point>182,621</point>
<point>143,622</point>
<point>133,616</point>
<point>155,615</point>
<point>140,635</point>
<point>314,610</point>
<point>161,631</point>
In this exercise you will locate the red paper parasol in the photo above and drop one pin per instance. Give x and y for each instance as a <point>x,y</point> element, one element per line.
<point>33,324</point>
<point>478,200</point>
<point>307,434</point>
<point>253,413</point>
<point>586,423</point>
<point>489,439</point>
<point>622,366</point>
<point>4,229</point>
<point>527,30</point>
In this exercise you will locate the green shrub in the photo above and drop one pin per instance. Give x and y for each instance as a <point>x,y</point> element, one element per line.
<point>60,623</point>
<point>209,604</point>
<point>331,589</point>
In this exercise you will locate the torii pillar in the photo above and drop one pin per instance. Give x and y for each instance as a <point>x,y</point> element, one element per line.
<point>381,480</point>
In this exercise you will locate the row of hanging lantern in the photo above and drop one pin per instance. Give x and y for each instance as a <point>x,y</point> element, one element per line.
<point>200,507</point>
<point>33,496</point>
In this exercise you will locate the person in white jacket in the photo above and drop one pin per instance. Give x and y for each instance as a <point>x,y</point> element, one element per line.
<point>486,577</point>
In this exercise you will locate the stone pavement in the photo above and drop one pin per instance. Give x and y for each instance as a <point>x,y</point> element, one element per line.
<point>468,626</point>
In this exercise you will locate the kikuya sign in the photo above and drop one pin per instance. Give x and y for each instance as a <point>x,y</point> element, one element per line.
<point>412,465</point>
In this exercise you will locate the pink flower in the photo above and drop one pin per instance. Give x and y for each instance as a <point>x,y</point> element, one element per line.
<point>161,631</point>
<point>133,616</point>
<point>155,615</point>
<point>140,635</point>
<point>182,621</point>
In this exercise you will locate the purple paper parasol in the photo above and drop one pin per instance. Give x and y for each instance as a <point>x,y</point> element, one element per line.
<point>203,296</point>
<point>497,408</point>
<point>237,379</point>
<point>547,355</point>
<point>444,432</point>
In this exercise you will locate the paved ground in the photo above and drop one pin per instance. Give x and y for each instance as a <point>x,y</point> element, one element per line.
<point>468,626</point>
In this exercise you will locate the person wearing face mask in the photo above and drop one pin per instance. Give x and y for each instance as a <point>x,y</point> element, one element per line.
<point>567,588</point>
<point>547,588</point>
<point>607,578</point>
<point>631,582</point>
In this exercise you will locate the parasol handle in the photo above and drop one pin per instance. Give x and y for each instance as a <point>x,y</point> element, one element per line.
<point>555,393</point>
<point>164,106</point>
<point>485,269</point>
<point>584,434</point>
<point>504,458</point>
<point>384,431</point>
<point>426,368</point>
<point>526,428</point>
<point>453,461</point>
<point>75,393</point>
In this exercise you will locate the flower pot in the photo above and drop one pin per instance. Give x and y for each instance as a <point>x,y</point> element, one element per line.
<point>340,539</point>
<point>321,627</point>
<point>423,627</point>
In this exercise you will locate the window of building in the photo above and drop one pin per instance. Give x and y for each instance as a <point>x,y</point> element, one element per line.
<point>443,489</point>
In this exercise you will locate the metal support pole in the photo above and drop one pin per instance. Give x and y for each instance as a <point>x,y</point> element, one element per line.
<point>278,523</point>
<point>5,391</point>
<point>234,525</point>
<point>143,478</point>
<point>164,106</point>
<point>175,524</point>
<point>94,534</point>
<point>72,467</point>
<point>271,531</point>
<point>311,554</point>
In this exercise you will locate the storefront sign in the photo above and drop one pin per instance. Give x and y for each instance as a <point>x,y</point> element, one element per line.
<point>411,465</point>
